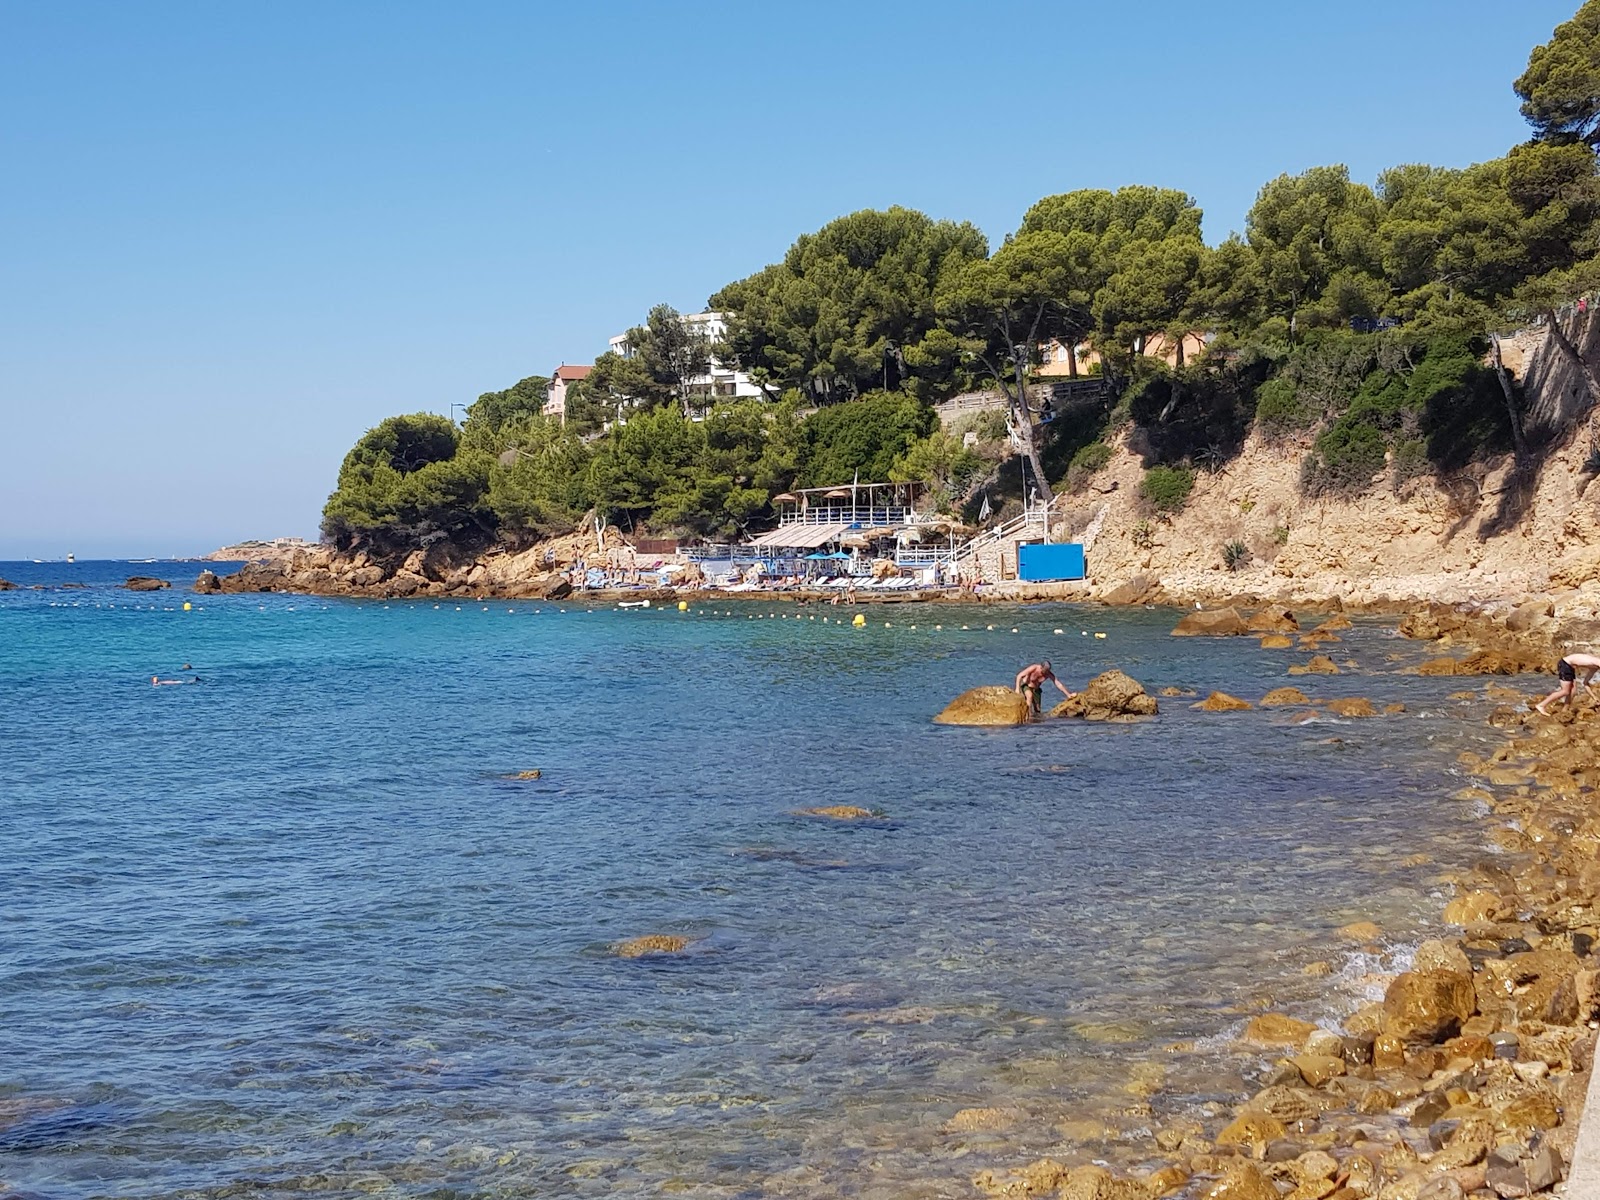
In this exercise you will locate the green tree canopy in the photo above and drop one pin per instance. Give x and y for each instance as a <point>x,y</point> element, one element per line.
<point>848,304</point>
<point>1317,254</point>
<point>492,411</point>
<point>861,439</point>
<point>1560,90</point>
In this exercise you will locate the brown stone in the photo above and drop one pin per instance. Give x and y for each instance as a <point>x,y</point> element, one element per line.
<point>986,706</point>
<point>1338,623</point>
<point>1131,591</point>
<point>1242,1181</point>
<point>654,943</point>
<point>1275,1029</point>
<point>1320,664</point>
<point>1273,619</point>
<point>1284,695</point>
<point>1224,622</point>
<point>1222,702</point>
<point>1110,696</point>
<point>1165,1181</point>
<point>1252,1131</point>
<point>1275,641</point>
<point>1317,1069</point>
<point>206,582</point>
<point>145,583</point>
<point>1428,1006</point>
<point>1472,908</point>
<point>1388,1052</point>
<point>1440,666</point>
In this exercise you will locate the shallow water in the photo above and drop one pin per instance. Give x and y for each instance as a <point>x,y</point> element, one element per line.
<point>288,931</point>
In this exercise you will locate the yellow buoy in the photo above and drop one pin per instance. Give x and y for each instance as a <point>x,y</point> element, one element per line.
<point>1100,635</point>
<point>187,606</point>
<point>683,606</point>
<point>859,621</point>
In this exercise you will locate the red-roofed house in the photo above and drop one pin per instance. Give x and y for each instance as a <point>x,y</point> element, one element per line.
<point>555,404</point>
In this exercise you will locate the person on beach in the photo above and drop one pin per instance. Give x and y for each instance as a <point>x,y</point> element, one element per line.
<point>1031,681</point>
<point>1567,675</point>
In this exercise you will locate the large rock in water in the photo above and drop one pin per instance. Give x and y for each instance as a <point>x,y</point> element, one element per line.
<point>1428,1006</point>
<point>144,583</point>
<point>207,582</point>
<point>985,706</point>
<point>1274,619</point>
<point>1222,622</point>
<point>6,585</point>
<point>1111,696</point>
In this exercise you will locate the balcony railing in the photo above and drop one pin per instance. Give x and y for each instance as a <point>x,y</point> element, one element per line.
<point>859,515</point>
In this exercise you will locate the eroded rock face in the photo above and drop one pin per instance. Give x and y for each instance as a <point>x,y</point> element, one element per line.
<point>145,583</point>
<point>1111,696</point>
<point>985,706</point>
<point>1224,622</point>
<point>207,582</point>
<point>1222,702</point>
<point>1274,619</point>
<point>1428,1006</point>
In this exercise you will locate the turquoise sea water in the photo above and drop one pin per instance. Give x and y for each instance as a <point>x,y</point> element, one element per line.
<point>287,932</point>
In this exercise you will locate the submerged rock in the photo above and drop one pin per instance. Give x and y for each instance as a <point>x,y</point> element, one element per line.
<point>1111,696</point>
<point>1284,695</point>
<point>1276,641</point>
<point>653,943</point>
<point>1222,702</point>
<point>1275,1029</point>
<point>1225,622</point>
<point>526,775</point>
<point>1352,706</point>
<point>985,706</point>
<point>838,812</point>
<point>1338,623</point>
<point>1320,664</point>
<point>145,583</point>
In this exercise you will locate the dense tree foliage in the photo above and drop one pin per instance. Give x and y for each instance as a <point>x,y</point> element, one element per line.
<point>1362,321</point>
<point>850,306</point>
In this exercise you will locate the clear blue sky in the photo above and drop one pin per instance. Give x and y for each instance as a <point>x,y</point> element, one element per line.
<point>237,235</point>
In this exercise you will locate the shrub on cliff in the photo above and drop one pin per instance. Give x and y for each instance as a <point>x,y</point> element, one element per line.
<point>1167,488</point>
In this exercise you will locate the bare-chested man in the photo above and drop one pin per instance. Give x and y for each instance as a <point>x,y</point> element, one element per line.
<point>1031,681</point>
<point>1567,674</point>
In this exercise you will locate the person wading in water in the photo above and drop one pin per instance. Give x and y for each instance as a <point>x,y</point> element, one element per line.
<point>1567,675</point>
<point>1031,681</point>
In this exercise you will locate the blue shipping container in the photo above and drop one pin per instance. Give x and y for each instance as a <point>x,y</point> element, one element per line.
<point>1039,563</point>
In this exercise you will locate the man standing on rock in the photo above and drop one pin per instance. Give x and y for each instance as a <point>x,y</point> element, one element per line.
<point>1567,676</point>
<point>1031,680</point>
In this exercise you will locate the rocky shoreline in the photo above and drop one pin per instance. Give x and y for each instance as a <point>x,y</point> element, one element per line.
<point>1467,1082</point>
<point>1468,1079</point>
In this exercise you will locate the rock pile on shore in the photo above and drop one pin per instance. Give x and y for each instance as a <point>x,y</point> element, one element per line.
<point>1467,1080</point>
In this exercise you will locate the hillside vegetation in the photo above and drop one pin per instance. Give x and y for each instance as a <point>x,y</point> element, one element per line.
<point>1365,318</point>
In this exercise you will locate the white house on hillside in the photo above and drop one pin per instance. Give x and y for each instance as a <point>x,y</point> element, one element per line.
<point>723,382</point>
